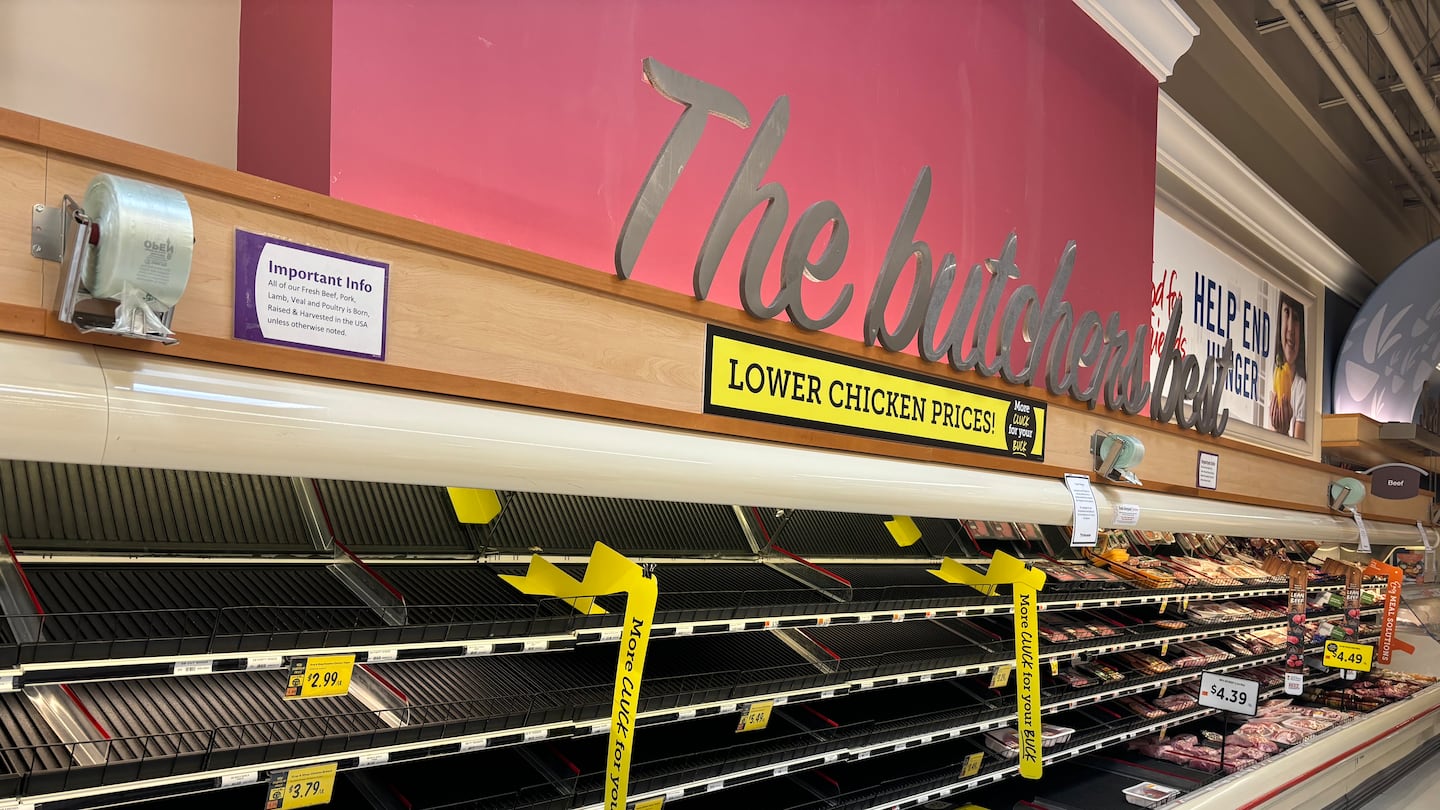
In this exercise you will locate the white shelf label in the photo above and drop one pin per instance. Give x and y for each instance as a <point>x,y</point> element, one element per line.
<point>479,648</point>
<point>1085,520</point>
<point>7,683</point>
<point>471,745</point>
<point>368,760</point>
<point>1126,514</point>
<point>536,734</point>
<point>381,656</point>
<point>1229,694</point>
<point>194,667</point>
<point>238,779</point>
<point>264,662</point>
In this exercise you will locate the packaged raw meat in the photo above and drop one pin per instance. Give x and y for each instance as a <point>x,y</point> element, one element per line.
<point>1175,703</point>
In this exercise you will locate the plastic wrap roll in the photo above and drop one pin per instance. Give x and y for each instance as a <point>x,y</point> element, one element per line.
<point>146,240</point>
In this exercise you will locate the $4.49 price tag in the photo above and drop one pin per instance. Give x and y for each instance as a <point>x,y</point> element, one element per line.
<point>319,676</point>
<point>755,716</point>
<point>300,787</point>
<point>1344,655</point>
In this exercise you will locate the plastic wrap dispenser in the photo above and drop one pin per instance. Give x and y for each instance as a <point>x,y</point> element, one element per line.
<point>124,257</point>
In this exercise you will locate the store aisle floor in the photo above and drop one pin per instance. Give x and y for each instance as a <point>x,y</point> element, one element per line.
<point>1418,790</point>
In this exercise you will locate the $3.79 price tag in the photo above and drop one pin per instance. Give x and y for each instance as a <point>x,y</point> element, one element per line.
<point>300,787</point>
<point>1344,655</point>
<point>755,716</point>
<point>319,676</point>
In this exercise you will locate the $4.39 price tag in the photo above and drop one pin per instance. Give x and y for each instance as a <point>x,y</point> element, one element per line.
<point>1239,695</point>
<point>755,716</point>
<point>1344,655</point>
<point>319,676</point>
<point>300,787</point>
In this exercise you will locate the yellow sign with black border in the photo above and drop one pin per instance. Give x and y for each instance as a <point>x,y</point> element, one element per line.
<point>751,377</point>
<point>301,787</point>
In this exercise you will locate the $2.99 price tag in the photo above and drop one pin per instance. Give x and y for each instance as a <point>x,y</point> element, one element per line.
<point>1343,655</point>
<point>755,716</point>
<point>300,787</point>
<point>319,676</point>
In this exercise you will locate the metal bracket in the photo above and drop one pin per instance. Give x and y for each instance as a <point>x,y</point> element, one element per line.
<point>47,232</point>
<point>65,234</point>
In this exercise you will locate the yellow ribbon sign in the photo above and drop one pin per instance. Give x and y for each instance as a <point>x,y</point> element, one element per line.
<point>903,529</point>
<point>609,572</point>
<point>1026,584</point>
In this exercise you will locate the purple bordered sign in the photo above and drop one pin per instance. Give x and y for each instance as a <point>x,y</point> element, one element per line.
<point>306,298</point>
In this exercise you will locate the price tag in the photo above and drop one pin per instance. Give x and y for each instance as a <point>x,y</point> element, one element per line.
<point>301,787</point>
<point>1164,648</point>
<point>972,765</point>
<point>1085,523</point>
<point>1184,604</point>
<point>755,716</point>
<point>1164,603</point>
<point>1126,514</point>
<point>194,667</point>
<point>1054,666</point>
<point>1229,694</point>
<point>473,745</point>
<point>381,656</point>
<point>264,662</point>
<point>1001,676</point>
<point>372,759</point>
<point>479,648</point>
<point>1364,546</point>
<point>7,683</point>
<point>1344,655</point>
<point>649,804</point>
<point>1162,690</point>
<point>320,676</point>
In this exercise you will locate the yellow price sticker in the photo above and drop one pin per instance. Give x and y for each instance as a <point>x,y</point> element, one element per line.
<point>1001,676</point>
<point>301,787</point>
<point>1344,655</point>
<point>1164,603</point>
<point>1054,666</point>
<point>649,804</point>
<point>755,716</point>
<point>1164,648</point>
<point>972,765</point>
<point>320,676</point>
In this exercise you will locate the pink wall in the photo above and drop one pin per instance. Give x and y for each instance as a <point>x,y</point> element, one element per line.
<point>284,128</point>
<point>530,124</point>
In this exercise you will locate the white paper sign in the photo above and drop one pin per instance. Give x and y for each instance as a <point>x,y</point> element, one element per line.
<point>1364,535</point>
<point>381,656</point>
<point>1294,683</point>
<point>296,295</point>
<point>1086,520</point>
<point>1207,471</point>
<point>1126,514</point>
<point>1229,694</point>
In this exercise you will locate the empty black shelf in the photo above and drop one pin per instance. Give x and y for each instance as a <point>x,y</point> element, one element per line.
<point>396,518</point>
<point>169,717</point>
<point>126,610</point>
<point>811,533</point>
<point>571,524</point>
<point>92,508</point>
